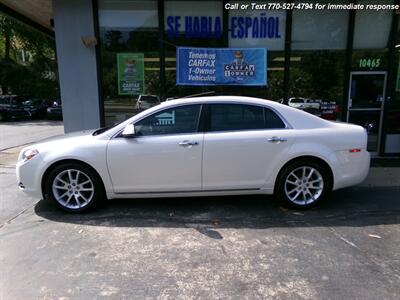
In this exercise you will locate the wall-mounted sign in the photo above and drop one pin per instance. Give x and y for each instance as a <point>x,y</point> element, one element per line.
<point>221,66</point>
<point>193,19</point>
<point>247,28</point>
<point>194,27</point>
<point>369,63</point>
<point>257,28</point>
<point>262,26</point>
<point>130,73</point>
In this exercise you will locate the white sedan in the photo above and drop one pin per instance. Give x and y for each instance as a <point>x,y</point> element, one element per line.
<point>204,146</point>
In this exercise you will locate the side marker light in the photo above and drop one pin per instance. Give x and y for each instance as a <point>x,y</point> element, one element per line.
<point>355,150</point>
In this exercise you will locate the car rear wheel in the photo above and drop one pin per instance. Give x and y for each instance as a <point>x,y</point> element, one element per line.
<point>303,184</point>
<point>74,187</point>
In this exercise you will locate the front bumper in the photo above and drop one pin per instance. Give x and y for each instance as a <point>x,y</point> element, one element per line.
<point>29,176</point>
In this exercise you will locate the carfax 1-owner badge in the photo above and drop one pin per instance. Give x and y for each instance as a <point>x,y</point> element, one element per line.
<point>221,66</point>
<point>239,69</point>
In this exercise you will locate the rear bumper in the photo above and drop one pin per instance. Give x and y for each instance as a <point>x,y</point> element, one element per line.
<point>350,168</point>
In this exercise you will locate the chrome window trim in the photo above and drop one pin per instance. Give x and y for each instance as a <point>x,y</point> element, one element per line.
<point>202,103</point>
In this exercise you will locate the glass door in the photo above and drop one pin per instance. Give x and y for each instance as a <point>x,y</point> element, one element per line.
<point>365,105</point>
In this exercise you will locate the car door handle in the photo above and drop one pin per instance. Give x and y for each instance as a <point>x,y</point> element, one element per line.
<point>188,143</point>
<point>276,139</point>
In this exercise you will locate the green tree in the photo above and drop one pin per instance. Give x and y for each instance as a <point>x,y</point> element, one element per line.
<point>35,77</point>
<point>6,33</point>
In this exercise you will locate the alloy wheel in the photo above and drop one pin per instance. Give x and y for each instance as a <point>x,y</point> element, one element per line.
<point>304,185</point>
<point>73,189</point>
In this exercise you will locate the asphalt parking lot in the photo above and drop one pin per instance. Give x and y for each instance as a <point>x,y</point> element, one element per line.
<point>13,134</point>
<point>245,247</point>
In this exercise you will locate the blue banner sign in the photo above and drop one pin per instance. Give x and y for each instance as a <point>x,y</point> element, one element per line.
<point>221,66</point>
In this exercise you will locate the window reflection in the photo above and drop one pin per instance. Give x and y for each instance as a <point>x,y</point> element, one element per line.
<point>128,28</point>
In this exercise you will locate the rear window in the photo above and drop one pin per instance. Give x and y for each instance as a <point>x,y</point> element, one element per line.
<point>272,120</point>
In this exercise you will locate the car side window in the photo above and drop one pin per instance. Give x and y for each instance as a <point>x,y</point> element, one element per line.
<point>272,120</point>
<point>182,119</point>
<point>235,117</point>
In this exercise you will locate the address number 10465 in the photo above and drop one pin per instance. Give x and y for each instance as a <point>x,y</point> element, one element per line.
<point>370,63</point>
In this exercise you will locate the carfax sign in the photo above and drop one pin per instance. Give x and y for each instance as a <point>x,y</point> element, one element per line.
<point>130,73</point>
<point>221,66</point>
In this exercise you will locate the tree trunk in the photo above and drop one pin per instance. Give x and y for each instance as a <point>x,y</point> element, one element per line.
<point>7,44</point>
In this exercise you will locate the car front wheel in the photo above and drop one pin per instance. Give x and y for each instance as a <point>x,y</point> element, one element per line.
<point>74,187</point>
<point>303,184</point>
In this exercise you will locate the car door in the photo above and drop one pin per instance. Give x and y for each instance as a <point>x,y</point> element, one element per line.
<point>164,156</point>
<point>243,145</point>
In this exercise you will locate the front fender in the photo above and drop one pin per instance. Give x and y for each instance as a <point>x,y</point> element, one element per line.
<point>93,155</point>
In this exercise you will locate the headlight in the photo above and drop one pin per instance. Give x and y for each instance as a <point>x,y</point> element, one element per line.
<point>29,154</point>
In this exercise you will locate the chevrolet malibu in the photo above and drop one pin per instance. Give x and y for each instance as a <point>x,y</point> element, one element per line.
<point>204,146</point>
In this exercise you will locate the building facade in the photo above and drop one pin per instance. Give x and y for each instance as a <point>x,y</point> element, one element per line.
<point>342,56</point>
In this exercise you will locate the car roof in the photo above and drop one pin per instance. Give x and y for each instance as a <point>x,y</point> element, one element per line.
<point>222,99</point>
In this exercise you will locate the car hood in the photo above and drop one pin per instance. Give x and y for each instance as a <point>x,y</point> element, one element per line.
<point>66,140</point>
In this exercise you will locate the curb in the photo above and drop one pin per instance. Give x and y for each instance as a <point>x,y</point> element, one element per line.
<point>389,162</point>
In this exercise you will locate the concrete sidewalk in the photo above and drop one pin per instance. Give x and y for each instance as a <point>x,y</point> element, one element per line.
<point>382,177</point>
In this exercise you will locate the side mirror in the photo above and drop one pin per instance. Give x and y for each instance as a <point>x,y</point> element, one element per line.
<point>129,131</point>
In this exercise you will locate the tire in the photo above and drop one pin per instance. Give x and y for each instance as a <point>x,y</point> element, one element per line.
<point>74,187</point>
<point>295,190</point>
<point>3,117</point>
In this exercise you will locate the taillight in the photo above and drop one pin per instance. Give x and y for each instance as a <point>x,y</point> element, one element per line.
<point>355,150</point>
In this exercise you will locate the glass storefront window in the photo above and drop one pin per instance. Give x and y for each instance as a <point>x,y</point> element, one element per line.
<point>193,19</point>
<point>257,28</point>
<point>190,24</point>
<point>371,38</point>
<point>372,28</point>
<point>318,59</point>
<point>260,29</point>
<point>392,138</point>
<point>129,55</point>
<point>212,35</point>
<point>320,29</point>
<point>369,66</point>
